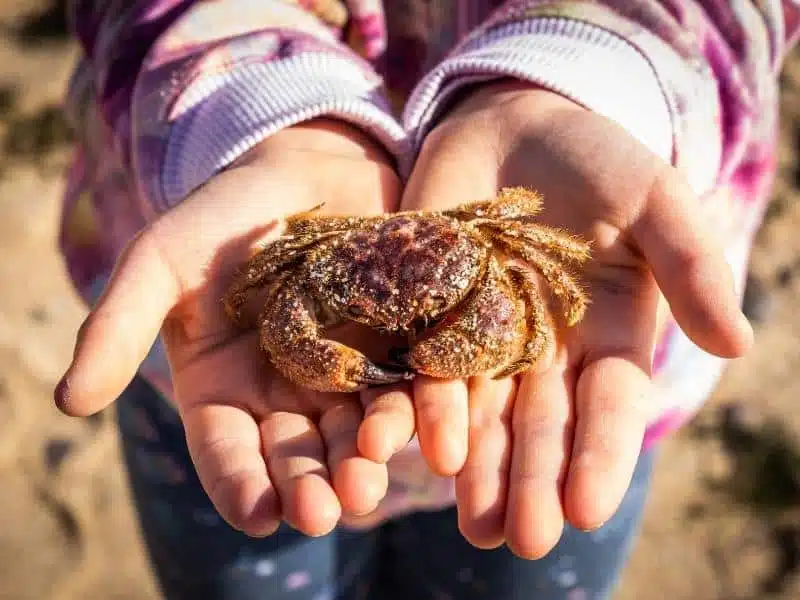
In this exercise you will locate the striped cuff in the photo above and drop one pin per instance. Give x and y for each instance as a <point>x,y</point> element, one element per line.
<point>224,115</point>
<point>591,66</point>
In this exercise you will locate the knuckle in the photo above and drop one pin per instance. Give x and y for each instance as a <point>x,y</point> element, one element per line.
<point>619,281</point>
<point>399,414</point>
<point>669,182</point>
<point>229,473</point>
<point>142,245</point>
<point>534,428</point>
<point>544,472</point>
<point>226,492</point>
<point>210,450</point>
<point>344,417</point>
<point>688,261</point>
<point>149,248</point>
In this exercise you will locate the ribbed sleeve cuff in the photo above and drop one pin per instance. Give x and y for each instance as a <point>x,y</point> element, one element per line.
<point>585,63</point>
<point>224,115</point>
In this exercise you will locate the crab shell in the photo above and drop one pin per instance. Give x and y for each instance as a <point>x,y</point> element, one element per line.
<point>397,275</point>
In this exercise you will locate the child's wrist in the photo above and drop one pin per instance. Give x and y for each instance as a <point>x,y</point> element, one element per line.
<point>500,92</point>
<point>324,136</point>
<point>314,161</point>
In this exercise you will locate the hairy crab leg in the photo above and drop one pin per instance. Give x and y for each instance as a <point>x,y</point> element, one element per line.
<point>573,298</point>
<point>556,242</point>
<point>540,329</point>
<point>266,264</point>
<point>304,231</point>
<point>292,338</point>
<point>309,223</point>
<point>510,203</point>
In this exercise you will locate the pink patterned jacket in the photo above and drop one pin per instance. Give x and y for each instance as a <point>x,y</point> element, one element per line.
<point>169,92</point>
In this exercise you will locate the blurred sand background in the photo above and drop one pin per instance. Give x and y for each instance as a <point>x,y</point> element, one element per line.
<point>723,522</point>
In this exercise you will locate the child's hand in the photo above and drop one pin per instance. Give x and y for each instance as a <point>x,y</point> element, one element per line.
<point>563,442</point>
<point>235,411</point>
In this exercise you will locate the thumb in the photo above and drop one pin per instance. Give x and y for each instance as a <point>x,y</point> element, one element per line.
<point>119,332</point>
<point>690,268</point>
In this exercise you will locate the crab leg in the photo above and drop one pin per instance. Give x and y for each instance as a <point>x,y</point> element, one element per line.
<point>486,332</point>
<point>275,257</point>
<point>309,222</point>
<point>511,203</point>
<point>304,231</point>
<point>557,243</point>
<point>540,329</point>
<point>573,298</point>
<point>292,338</point>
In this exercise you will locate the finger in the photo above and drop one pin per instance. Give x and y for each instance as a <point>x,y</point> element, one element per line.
<point>481,485</point>
<point>296,460</point>
<point>388,423</point>
<point>225,445</point>
<point>359,483</point>
<point>611,398</point>
<point>690,269</point>
<point>442,409</point>
<point>542,428</point>
<point>118,334</point>
<point>437,181</point>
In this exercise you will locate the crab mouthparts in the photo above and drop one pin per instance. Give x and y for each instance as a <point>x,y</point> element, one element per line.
<point>400,356</point>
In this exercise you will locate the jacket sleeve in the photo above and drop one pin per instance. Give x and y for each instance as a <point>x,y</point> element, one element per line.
<point>184,87</point>
<point>694,80</point>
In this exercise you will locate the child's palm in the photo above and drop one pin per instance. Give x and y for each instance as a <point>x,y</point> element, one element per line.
<point>565,440</point>
<point>235,410</point>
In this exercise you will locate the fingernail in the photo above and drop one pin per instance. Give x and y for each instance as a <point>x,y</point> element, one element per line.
<point>61,393</point>
<point>747,326</point>
<point>746,321</point>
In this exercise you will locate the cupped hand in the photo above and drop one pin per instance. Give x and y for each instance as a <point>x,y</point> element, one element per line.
<point>560,443</point>
<point>264,449</point>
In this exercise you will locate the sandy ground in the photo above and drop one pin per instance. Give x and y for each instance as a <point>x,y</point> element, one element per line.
<point>723,522</point>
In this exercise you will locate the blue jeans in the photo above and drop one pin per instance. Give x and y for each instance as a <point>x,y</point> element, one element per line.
<point>197,556</point>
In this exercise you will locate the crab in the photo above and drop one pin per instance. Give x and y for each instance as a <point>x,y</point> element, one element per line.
<point>459,284</point>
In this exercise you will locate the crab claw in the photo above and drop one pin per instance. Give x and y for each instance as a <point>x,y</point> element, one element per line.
<point>378,375</point>
<point>292,338</point>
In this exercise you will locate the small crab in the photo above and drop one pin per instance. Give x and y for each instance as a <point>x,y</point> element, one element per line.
<point>436,277</point>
